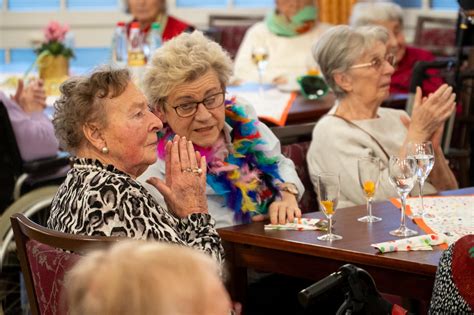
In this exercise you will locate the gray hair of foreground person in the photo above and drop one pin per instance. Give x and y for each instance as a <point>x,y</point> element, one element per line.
<point>137,277</point>
<point>184,59</point>
<point>341,46</point>
<point>82,102</point>
<point>367,13</point>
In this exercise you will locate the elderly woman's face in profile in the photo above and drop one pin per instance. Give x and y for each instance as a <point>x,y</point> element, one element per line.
<point>131,129</point>
<point>289,8</point>
<point>370,77</point>
<point>145,11</point>
<point>203,127</point>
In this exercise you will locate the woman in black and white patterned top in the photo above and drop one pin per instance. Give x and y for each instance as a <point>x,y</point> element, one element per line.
<point>104,120</point>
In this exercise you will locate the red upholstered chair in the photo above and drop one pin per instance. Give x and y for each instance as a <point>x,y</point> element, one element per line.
<point>45,257</point>
<point>229,30</point>
<point>436,34</point>
<point>295,141</point>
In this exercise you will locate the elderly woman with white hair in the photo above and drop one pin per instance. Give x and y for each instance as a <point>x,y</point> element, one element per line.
<point>104,120</point>
<point>358,68</point>
<point>390,16</point>
<point>247,176</point>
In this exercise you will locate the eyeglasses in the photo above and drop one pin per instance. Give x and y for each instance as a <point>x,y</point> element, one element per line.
<point>377,63</point>
<point>210,102</point>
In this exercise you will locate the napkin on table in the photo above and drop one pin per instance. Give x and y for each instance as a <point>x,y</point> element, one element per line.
<point>300,225</point>
<point>422,242</point>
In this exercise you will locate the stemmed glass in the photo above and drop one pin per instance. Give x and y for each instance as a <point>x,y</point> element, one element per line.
<point>260,59</point>
<point>423,153</point>
<point>402,175</point>
<point>328,194</point>
<point>369,171</point>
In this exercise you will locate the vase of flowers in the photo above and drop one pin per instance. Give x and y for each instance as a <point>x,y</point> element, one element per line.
<point>53,57</point>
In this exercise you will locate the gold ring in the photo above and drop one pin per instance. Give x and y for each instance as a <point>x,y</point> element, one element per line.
<point>187,170</point>
<point>197,171</point>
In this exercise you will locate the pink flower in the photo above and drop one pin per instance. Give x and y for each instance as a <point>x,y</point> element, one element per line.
<point>55,32</point>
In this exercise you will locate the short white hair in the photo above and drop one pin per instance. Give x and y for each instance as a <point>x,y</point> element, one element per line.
<point>365,13</point>
<point>341,46</point>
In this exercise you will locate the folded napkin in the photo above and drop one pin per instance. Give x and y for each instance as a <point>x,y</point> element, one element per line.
<point>300,225</point>
<point>422,242</point>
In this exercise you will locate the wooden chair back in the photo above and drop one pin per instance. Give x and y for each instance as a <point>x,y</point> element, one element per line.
<point>45,256</point>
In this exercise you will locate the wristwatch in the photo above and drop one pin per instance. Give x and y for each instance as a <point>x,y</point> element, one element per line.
<point>289,188</point>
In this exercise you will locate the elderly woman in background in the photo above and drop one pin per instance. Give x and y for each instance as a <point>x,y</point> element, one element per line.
<point>135,277</point>
<point>287,33</point>
<point>104,120</point>
<point>390,16</point>
<point>247,174</point>
<point>148,11</point>
<point>358,67</point>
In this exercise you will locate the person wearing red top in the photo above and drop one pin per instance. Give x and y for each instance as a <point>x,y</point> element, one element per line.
<point>390,16</point>
<point>148,11</point>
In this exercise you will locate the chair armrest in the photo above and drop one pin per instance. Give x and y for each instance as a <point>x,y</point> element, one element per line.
<point>47,164</point>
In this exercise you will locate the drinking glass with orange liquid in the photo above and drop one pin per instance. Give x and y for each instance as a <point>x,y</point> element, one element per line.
<point>369,172</point>
<point>328,187</point>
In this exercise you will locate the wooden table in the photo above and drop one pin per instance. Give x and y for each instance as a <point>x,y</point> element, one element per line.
<point>300,254</point>
<point>304,110</point>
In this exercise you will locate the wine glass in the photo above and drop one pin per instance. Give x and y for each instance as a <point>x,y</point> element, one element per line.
<point>260,59</point>
<point>402,175</point>
<point>328,194</point>
<point>423,153</point>
<point>369,171</point>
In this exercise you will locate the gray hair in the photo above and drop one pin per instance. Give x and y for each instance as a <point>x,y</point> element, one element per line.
<point>82,101</point>
<point>340,47</point>
<point>365,13</point>
<point>181,60</point>
<point>138,277</point>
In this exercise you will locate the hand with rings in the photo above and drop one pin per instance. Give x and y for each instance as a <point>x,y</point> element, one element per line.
<point>184,187</point>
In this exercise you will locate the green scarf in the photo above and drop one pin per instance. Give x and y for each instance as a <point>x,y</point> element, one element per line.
<point>300,23</point>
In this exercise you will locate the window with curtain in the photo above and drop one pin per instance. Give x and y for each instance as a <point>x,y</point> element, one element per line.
<point>435,4</point>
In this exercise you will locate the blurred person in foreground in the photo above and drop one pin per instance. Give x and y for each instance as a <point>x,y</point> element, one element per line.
<point>104,120</point>
<point>135,277</point>
<point>33,130</point>
<point>452,289</point>
<point>146,12</point>
<point>247,176</point>
<point>287,33</point>
<point>390,16</point>
<point>358,68</point>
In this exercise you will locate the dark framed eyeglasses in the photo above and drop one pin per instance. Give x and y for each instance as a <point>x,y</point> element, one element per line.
<point>377,63</point>
<point>189,109</point>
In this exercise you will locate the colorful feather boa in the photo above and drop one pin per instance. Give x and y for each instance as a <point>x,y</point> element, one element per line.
<point>240,171</point>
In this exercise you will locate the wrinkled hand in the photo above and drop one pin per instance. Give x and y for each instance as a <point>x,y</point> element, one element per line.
<point>430,113</point>
<point>184,190</point>
<point>31,98</point>
<point>282,211</point>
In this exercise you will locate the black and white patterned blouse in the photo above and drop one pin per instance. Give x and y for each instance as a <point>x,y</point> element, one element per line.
<point>101,200</point>
<point>446,298</point>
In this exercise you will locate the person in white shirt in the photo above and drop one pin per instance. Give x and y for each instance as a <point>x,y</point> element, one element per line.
<point>287,33</point>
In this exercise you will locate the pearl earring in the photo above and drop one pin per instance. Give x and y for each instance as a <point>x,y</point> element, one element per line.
<point>105,150</point>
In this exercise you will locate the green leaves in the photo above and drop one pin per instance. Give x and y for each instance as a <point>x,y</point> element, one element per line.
<point>55,48</point>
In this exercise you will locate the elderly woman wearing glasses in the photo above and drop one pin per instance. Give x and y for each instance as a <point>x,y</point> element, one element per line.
<point>357,67</point>
<point>247,175</point>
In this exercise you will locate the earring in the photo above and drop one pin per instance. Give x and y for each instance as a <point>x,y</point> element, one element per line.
<point>105,150</point>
